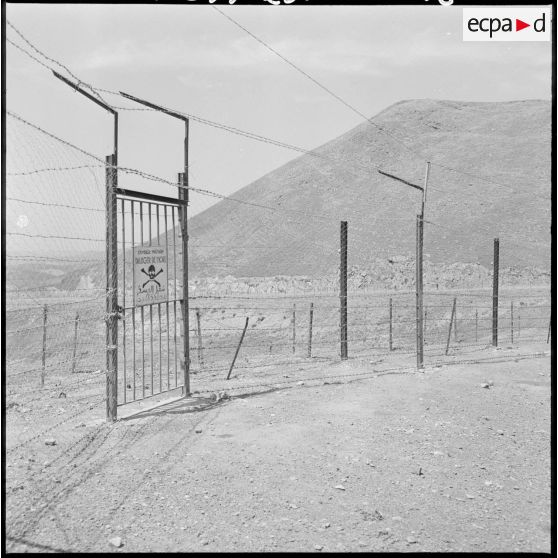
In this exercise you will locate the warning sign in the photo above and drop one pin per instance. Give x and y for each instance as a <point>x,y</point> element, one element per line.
<point>150,275</point>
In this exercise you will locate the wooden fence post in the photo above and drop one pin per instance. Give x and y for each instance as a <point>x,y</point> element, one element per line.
<point>75,343</point>
<point>310,320</point>
<point>45,312</point>
<point>238,348</point>
<point>455,321</point>
<point>294,328</point>
<point>511,321</point>
<point>495,273</point>
<point>390,324</point>
<point>476,326</point>
<point>451,324</point>
<point>200,343</point>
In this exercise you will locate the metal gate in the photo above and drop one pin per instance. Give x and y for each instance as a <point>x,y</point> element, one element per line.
<point>151,344</point>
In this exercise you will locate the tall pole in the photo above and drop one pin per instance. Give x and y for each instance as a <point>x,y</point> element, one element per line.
<point>343,291</point>
<point>111,291</point>
<point>419,295</point>
<point>425,189</point>
<point>419,270</point>
<point>183,195</point>
<point>495,273</point>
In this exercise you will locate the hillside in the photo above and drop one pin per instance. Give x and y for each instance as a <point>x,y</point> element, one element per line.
<point>510,142</point>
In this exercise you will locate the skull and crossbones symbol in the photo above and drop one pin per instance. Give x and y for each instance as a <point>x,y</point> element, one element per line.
<point>151,274</point>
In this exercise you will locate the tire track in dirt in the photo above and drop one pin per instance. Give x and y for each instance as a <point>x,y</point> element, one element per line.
<point>77,474</point>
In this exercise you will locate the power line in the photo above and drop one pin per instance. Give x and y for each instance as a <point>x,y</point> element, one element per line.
<point>352,108</point>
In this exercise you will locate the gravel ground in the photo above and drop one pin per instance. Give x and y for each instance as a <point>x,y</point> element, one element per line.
<point>410,462</point>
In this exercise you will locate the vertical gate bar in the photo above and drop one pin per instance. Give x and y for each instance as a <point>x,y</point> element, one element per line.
<point>151,305</point>
<point>142,316</point>
<point>134,304</point>
<point>168,295</point>
<point>160,350</point>
<point>125,384</point>
<point>175,297</point>
<point>111,291</point>
<point>149,228</point>
<point>159,309</point>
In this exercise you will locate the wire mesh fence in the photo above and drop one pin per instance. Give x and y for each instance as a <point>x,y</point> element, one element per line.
<point>56,290</point>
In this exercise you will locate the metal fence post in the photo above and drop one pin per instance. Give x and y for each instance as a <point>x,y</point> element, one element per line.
<point>75,343</point>
<point>390,324</point>
<point>450,325</point>
<point>294,328</point>
<point>511,319</point>
<point>310,320</point>
<point>185,305</point>
<point>45,312</point>
<point>200,343</point>
<point>238,348</point>
<point>496,270</point>
<point>343,291</point>
<point>111,290</point>
<point>455,321</point>
<point>476,326</point>
<point>419,294</point>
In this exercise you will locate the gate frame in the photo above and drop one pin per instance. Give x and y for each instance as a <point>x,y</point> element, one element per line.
<point>180,204</point>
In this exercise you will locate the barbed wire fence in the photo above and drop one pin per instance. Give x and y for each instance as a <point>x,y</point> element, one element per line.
<point>56,294</point>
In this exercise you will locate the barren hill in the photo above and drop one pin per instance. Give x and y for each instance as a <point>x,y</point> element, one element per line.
<point>509,143</point>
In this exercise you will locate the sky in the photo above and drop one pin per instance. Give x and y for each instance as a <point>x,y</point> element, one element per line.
<point>190,58</point>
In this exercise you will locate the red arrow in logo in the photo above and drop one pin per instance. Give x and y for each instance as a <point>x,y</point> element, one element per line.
<point>519,25</point>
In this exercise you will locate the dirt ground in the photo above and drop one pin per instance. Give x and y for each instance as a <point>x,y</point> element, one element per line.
<point>403,461</point>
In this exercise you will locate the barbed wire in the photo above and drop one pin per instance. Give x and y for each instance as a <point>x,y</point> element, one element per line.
<point>65,68</point>
<point>265,139</point>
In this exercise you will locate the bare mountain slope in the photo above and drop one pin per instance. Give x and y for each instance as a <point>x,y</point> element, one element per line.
<point>510,142</point>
